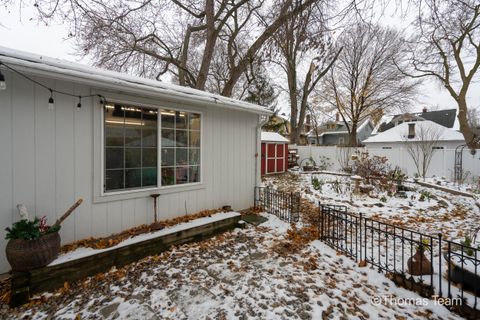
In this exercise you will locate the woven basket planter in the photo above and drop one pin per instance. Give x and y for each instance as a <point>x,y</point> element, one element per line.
<point>24,255</point>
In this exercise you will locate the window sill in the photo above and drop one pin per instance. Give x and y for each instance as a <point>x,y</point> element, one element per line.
<point>135,194</point>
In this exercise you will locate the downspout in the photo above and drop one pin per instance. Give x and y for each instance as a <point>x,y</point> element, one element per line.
<point>262,120</point>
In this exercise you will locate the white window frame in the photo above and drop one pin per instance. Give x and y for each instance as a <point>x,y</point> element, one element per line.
<point>100,195</point>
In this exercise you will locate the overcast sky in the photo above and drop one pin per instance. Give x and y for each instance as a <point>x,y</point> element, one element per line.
<point>18,31</point>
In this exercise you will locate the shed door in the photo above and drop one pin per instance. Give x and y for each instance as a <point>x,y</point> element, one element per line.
<point>280,157</point>
<point>275,160</point>
<point>270,158</point>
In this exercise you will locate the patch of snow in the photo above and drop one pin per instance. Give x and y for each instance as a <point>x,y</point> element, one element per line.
<point>237,275</point>
<point>399,133</point>
<point>273,137</point>
<point>85,252</point>
<point>34,62</point>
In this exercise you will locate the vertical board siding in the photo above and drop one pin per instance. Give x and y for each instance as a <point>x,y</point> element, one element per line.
<point>23,144</point>
<point>64,157</point>
<point>49,163</point>
<point>83,174</point>
<point>7,206</point>
<point>44,154</point>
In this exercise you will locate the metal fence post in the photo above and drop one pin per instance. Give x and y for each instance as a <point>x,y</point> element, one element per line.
<point>290,215</point>
<point>319,222</point>
<point>360,231</point>
<point>440,277</point>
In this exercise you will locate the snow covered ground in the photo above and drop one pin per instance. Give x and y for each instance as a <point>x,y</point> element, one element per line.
<point>237,275</point>
<point>82,252</point>
<point>451,215</point>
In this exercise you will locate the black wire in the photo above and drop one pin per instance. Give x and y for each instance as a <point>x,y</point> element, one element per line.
<point>48,88</point>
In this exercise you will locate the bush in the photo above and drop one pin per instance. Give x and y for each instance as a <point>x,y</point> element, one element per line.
<point>317,184</point>
<point>371,167</point>
<point>324,163</point>
<point>376,171</point>
<point>30,230</point>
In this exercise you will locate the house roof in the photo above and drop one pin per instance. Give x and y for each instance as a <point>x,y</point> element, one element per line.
<point>444,118</point>
<point>61,69</point>
<point>340,129</point>
<point>398,133</point>
<point>273,137</point>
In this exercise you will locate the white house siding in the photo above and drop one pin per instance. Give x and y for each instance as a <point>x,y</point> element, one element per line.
<point>47,162</point>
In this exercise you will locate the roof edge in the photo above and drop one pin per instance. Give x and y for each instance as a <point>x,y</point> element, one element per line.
<point>46,66</point>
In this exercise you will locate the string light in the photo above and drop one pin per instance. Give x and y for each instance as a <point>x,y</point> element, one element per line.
<point>3,84</point>
<point>51,101</point>
<point>79,105</point>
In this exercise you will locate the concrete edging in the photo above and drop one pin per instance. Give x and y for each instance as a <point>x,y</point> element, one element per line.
<point>53,277</point>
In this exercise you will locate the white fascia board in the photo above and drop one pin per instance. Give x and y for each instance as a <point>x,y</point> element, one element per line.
<point>102,79</point>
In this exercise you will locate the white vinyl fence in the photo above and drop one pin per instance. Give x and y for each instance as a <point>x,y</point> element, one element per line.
<point>442,164</point>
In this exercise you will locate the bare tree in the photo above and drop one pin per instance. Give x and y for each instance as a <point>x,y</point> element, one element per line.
<point>175,37</point>
<point>344,154</point>
<point>315,120</point>
<point>302,38</point>
<point>473,116</point>
<point>446,47</point>
<point>364,81</point>
<point>421,144</point>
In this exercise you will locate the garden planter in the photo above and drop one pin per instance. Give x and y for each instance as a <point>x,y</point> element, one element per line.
<point>419,265</point>
<point>465,275</point>
<point>24,255</point>
<point>307,168</point>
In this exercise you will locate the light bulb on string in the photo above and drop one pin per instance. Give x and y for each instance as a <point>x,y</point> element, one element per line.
<point>51,102</point>
<point>3,84</point>
<point>79,105</point>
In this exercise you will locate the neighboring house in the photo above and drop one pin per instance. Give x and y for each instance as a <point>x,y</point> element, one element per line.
<point>412,131</point>
<point>274,153</point>
<point>281,125</point>
<point>125,139</point>
<point>445,118</point>
<point>336,133</point>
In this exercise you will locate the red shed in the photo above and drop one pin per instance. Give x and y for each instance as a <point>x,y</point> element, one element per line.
<point>274,153</point>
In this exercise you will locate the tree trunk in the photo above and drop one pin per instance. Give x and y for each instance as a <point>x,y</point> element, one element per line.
<point>294,136</point>
<point>209,46</point>
<point>353,135</point>
<point>292,90</point>
<point>463,121</point>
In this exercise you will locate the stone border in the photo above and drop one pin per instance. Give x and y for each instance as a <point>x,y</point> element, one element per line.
<point>52,277</point>
<point>442,188</point>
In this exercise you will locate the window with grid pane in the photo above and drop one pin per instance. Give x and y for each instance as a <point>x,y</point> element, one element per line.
<point>180,152</point>
<point>130,147</point>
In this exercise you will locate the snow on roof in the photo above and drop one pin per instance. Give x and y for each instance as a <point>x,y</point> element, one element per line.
<point>398,133</point>
<point>41,65</point>
<point>273,137</point>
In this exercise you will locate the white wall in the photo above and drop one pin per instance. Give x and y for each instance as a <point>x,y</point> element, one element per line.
<point>47,162</point>
<point>442,162</point>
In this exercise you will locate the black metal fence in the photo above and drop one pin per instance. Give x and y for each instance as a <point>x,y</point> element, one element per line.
<point>442,268</point>
<point>284,205</point>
